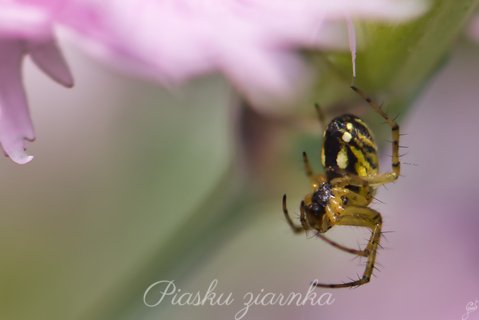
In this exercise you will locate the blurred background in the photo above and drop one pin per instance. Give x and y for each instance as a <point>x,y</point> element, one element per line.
<point>133,184</point>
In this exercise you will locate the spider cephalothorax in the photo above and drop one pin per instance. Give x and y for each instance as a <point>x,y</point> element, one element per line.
<point>314,207</point>
<point>342,195</point>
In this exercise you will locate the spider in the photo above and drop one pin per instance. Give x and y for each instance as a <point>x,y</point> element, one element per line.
<point>342,195</point>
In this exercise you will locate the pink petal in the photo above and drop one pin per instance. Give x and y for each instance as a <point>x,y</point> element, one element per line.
<point>22,21</point>
<point>252,42</point>
<point>15,122</point>
<point>48,57</point>
<point>263,76</point>
<point>16,151</point>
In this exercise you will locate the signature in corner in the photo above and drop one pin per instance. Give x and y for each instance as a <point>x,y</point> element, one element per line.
<point>470,308</point>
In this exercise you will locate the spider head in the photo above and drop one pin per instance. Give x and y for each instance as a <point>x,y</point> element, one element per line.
<point>315,207</point>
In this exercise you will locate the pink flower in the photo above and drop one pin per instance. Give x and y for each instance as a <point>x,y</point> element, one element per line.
<point>254,43</point>
<point>24,29</point>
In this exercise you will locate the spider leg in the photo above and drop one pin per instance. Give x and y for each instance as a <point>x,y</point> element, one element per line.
<point>360,217</point>
<point>295,228</point>
<point>396,164</point>
<point>321,116</point>
<point>345,178</point>
<point>352,197</point>
<point>307,167</point>
<point>362,253</point>
<point>357,199</point>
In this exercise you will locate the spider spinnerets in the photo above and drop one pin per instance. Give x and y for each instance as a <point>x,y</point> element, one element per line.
<point>342,195</point>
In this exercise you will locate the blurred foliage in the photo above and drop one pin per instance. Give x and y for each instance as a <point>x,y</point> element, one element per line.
<point>395,61</point>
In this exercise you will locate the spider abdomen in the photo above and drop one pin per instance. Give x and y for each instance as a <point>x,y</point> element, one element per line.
<point>349,148</point>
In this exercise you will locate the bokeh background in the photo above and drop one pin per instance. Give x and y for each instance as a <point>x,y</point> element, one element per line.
<point>132,184</point>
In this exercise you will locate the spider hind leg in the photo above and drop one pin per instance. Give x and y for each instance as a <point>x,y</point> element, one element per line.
<point>361,217</point>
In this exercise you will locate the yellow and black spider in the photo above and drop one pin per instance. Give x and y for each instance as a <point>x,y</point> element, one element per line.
<point>342,195</point>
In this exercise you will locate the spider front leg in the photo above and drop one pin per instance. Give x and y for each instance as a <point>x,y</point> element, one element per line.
<point>304,227</point>
<point>362,253</point>
<point>360,217</point>
<point>321,116</point>
<point>384,178</point>
<point>296,229</point>
<point>347,196</point>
